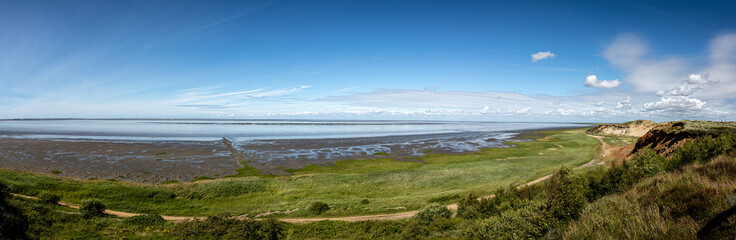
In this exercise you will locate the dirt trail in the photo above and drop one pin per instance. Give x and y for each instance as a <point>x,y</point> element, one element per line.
<point>391,216</point>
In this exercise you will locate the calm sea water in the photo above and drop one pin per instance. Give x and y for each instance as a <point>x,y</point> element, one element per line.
<point>242,130</point>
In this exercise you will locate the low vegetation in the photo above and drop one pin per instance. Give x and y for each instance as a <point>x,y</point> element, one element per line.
<point>650,196</point>
<point>389,185</point>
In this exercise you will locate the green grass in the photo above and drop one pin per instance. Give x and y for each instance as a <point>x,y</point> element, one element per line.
<point>671,205</point>
<point>202,178</point>
<point>387,184</point>
<point>245,172</point>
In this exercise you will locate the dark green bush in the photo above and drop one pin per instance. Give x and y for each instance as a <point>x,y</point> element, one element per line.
<point>145,220</point>
<point>13,223</point>
<point>528,222</point>
<point>432,211</point>
<point>645,163</point>
<point>224,227</point>
<point>318,208</point>
<point>49,198</point>
<point>702,150</point>
<point>565,196</point>
<point>365,201</point>
<point>92,208</point>
<point>469,207</point>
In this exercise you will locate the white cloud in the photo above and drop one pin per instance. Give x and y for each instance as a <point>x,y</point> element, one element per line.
<point>625,104</point>
<point>629,53</point>
<point>559,111</point>
<point>682,90</point>
<point>542,55</point>
<point>699,79</point>
<point>680,106</point>
<point>593,81</point>
<point>722,66</point>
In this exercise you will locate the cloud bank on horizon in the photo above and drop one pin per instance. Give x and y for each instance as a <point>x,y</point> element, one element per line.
<point>232,60</point>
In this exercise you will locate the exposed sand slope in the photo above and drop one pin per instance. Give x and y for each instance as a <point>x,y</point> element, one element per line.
<point>634,128</point>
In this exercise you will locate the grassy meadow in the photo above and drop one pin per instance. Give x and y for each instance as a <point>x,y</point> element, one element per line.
<point>388,185</point>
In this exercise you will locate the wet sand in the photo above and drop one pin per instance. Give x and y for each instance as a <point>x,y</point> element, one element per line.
<point>152,162</point>
<point>158,161</point>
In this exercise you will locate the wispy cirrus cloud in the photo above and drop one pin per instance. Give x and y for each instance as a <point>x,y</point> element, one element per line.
<point>211,99</point>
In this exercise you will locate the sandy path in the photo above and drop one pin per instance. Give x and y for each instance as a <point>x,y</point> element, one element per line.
<point>391,216</point>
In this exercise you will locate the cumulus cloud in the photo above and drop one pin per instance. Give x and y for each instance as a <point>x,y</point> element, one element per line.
<point>542,55</point>
<point>593,81</point>
<point>699,79</point>
<point>680,106</point>
<point>625,104</point>
<point>683,90</point>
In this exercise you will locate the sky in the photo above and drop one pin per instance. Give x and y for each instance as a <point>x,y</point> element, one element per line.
<point>589,61</point>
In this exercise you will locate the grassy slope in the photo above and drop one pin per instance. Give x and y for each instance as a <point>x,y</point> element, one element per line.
<point>386,183</point>
<point>672,205</point>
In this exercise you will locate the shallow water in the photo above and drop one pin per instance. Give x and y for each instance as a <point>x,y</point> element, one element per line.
<point>241,130</point>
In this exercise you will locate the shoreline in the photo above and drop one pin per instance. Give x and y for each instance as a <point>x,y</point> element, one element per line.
<point>184,161</point>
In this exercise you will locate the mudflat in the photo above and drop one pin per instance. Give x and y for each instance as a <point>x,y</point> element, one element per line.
<point>183,161</point>
<point>151,162</point>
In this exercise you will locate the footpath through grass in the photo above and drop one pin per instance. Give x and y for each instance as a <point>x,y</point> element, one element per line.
<point>388,185</point>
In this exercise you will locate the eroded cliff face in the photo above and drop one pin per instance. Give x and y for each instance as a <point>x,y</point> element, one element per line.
<point>634,128</point>
<point>665,138</point>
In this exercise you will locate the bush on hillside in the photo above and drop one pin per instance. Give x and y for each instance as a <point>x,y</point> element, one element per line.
<point>469,207</point>
<point>528,222</point>
<point>145,220</point>
<point>92,208</point>
<point>49,198</point>
<point>224,227</point>
<point>13,224</point>
<point>318,208</point>
<point>565,196</point>
<point>432,211</point>
<point>702,150</point>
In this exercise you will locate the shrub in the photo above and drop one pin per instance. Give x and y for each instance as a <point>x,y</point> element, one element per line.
<point>469,207</point>
<point>365,201</point>
<point>528,222</point>
<point>565,196</point>
<point>318,208</point>
<point>270,229</point>
<point>432,211</point>
<point>13,224</point>
<point>49,198</point>
<point>145,220</point>
<point>702,150</point>
<point>224,227</point>
<point>92,208</point>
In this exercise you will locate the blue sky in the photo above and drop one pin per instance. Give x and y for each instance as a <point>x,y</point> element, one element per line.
<point>459,60</point>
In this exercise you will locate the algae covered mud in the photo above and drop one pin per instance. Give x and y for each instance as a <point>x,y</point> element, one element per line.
<point>156,150</point>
